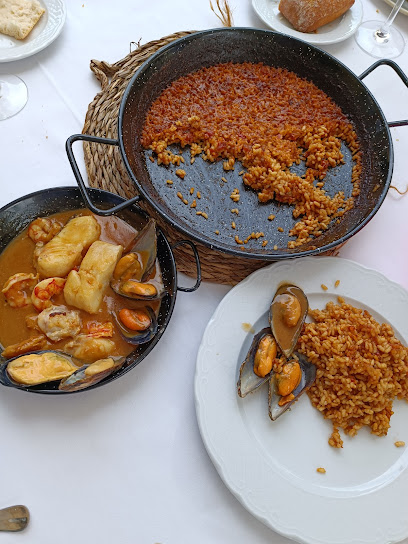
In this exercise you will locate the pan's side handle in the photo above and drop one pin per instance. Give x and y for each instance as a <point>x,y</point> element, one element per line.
<point>80,181</point>
<point>198,265</point>
<point>399,72</point>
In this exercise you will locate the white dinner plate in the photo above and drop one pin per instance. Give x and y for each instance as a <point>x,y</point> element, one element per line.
<point>45,32</point>
<point>404,8</point>
<point>271,466</point>
<point>334,32</point>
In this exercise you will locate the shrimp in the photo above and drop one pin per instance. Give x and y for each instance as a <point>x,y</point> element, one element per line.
<point>16,287</point>
<point>45,290</point>
<point>100,330</point>
<point>43,229</point>
<point>34,343</point>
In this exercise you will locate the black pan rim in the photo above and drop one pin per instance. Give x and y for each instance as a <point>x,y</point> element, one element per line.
<point>213,244</point>
<point>124,370</point>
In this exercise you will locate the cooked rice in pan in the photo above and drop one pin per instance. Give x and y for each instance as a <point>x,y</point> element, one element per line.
<point>268,119</point>
<point>361,368</point>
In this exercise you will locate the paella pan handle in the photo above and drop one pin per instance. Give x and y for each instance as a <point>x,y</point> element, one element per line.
<point>198,265</point>
<point>78,175</point>
<point>399,72</point>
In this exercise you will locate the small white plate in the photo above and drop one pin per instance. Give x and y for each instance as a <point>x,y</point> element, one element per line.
<point>336,31</point>
<point>45,32</point>
<point>271,466</point>
<point>403,10</point>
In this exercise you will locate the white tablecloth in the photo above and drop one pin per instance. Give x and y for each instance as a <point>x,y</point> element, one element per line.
<point>125,463</point>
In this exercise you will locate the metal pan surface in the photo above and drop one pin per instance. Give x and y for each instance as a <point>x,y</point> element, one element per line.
<point>238,45</point>
<point>16,216</point>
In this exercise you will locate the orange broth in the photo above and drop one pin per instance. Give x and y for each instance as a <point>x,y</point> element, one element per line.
<point>18,257</point>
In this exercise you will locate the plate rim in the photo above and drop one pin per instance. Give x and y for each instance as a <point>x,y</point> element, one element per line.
<point>309,37</point>
<point>43,44</point>
<point>289,532</point>
<point>403,10</point>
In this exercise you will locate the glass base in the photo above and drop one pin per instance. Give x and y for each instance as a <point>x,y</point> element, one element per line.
<point>13,96</point>
<point>380,45</point>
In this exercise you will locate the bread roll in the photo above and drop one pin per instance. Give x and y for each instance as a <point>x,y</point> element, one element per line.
<point>19,17</point>
<point>308,15</point>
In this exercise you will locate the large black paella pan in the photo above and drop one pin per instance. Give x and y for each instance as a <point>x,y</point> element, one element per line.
<point>237,45</point>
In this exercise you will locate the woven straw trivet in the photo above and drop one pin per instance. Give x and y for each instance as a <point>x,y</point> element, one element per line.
<point>106,170</point>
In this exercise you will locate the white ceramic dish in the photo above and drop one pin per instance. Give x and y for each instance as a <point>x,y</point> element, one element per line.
<point>337,31</point>
<point>45,32</point>
<point>271,466</point>
<point>403,10</point>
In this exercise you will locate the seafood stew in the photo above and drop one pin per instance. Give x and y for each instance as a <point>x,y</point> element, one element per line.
<point>21,326</point>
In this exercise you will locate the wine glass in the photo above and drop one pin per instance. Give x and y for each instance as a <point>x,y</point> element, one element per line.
<point>380,40</point>
<point>13,95</point>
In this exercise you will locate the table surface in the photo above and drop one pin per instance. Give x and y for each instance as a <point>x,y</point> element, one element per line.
<point>125,463</point>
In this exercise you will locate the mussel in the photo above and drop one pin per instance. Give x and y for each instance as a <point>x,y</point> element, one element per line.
<point>287,386</point>
<point>270,359</point>
<point>134,275</point>
<point>287,314</point>
<point>91,374</point>
<point>255,369</point>
<point>40,367</point>
<point>137,326</point>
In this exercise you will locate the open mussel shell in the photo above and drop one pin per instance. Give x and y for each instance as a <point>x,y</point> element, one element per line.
<point>137,290</point>
<point>35,368</point>
<point>248,381</point>
<point>90,374</point>
<point>287,314</point>
<point>145,244</point>
<point>138,337</point>
<point>307,378</point>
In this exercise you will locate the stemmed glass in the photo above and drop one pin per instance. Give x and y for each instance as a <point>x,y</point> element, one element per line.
<point>13,95</point>
<point>381,40</point>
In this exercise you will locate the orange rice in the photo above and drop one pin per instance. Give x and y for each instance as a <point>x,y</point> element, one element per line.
<point>268,119</point>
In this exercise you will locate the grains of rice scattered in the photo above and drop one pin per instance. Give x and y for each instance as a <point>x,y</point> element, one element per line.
<point>340,300</point>
<point>192,160</point>
<point>376,187</point>
<point>235,210</point>
<point>151,158</point>
<point>321,470</point>
<point>217,232</point>
<point>169,182</point>
<point>264,243</point>
<point>275,247</point>
<point>185,201</point>
<point>233,225</point>
<point>280,229</point>
<point>399,443</point>
<point>180,173</point>
<point>235,196</point>
<point>238,241</point>
<point>337,283</point>
<point>180,196</point>
<point>191,190</point>
<point>324,287</point>
<point>203,214</point>
<point>271,217</point>
<point>224,180</point>
<point>198,194</point>
<point>240,173</point>
<point>361,368</point>
<point>193,204</point>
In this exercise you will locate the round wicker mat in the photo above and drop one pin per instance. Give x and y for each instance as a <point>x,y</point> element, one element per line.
<point>106,170</point>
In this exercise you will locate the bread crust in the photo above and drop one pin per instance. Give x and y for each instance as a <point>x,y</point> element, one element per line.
<point>309,15</point>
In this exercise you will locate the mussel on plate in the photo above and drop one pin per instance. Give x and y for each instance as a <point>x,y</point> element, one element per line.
<point>270,358</point>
